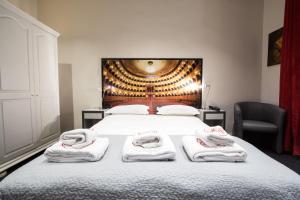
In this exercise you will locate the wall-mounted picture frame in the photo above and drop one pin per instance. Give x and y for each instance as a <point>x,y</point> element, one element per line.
<point>274,47</point>
<point>151,81</point>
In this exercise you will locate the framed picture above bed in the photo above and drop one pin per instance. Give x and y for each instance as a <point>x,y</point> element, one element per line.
<point>151,81</point>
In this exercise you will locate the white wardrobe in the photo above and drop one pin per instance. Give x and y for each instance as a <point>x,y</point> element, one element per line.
<point>29,101</point>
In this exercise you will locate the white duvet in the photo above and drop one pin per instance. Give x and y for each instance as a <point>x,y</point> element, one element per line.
<point>131,124</point>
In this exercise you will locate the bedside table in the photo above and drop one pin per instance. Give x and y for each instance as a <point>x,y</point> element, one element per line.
<point>213,117</point>
<point>92,116</point>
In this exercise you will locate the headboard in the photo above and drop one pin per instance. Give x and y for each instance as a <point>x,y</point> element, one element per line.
<point>151,81</point>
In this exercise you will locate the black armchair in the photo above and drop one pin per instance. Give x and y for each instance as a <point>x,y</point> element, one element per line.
<point>262,118</point>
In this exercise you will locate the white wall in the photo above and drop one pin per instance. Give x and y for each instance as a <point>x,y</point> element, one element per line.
<point>226,34</point>
<point>272,20</point>
<point>66,97</point>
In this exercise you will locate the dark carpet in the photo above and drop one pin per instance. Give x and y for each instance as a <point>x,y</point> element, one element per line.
<point>263,143</point>
<point>292,162</point>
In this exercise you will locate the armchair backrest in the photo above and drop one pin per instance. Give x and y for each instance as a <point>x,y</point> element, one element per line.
<point>260,111</point>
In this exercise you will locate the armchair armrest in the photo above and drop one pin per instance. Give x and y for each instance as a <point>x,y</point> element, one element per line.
<point>276,115</point>
<point>280,120</point>
<point>238,121</point>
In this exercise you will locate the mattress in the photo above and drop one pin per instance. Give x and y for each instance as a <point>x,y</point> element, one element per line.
<point>130,124</point>
<point>260,177</point>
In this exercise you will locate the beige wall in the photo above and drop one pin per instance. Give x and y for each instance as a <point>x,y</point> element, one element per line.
<point>272,20</point>
<point>29,6</point>
<point>226,34</point>
<point>66,97</point>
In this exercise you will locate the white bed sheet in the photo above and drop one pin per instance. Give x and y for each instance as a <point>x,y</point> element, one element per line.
<point>131,124</point>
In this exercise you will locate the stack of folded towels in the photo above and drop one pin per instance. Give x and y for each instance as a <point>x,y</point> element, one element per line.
<point>213,144</point>
<point>77,145</point>
<point>148,146</point>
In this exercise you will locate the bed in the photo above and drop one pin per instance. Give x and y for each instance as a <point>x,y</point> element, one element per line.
<point>128,124</point>
<point>260,177</point>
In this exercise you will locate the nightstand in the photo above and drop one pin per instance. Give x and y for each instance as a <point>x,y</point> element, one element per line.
<point>92,116</point>
<point>213,117</point>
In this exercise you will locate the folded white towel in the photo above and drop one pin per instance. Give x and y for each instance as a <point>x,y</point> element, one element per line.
<point>137,153</point>
<point>214,136</point>
<point>78,138</point>
<point>147,139</point>
<point>62,153</point>
<point>198,151</point>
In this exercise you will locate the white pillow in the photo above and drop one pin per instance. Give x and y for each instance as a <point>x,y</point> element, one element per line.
<point>177,110</point>
<point>129,109</point>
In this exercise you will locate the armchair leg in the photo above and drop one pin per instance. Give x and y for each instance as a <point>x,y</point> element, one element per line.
<point>277,146</point>
<point>237,132</point>
<point>240,134</point>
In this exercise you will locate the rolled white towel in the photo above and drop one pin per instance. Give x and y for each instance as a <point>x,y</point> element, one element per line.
<point>137,153</point>
<point>198,151</point>
<point>214,136</point>
<point>147,139</point>
<point>78,138</point>
<point>59,152</point>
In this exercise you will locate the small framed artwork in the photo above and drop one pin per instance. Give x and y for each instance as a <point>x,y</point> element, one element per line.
<point>274,47</point>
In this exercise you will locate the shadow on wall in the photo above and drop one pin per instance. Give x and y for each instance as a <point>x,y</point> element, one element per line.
<point>66,97</point>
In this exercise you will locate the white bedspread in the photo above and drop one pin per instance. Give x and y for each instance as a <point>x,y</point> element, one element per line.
<point>131,124</point>
<point>260,177</point>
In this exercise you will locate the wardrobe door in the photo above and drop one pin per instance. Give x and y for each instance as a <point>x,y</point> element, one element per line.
<point>46,84</point>
<point>17,110</point>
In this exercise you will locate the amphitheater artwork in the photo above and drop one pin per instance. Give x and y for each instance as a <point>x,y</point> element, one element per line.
<point>154,82</point>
